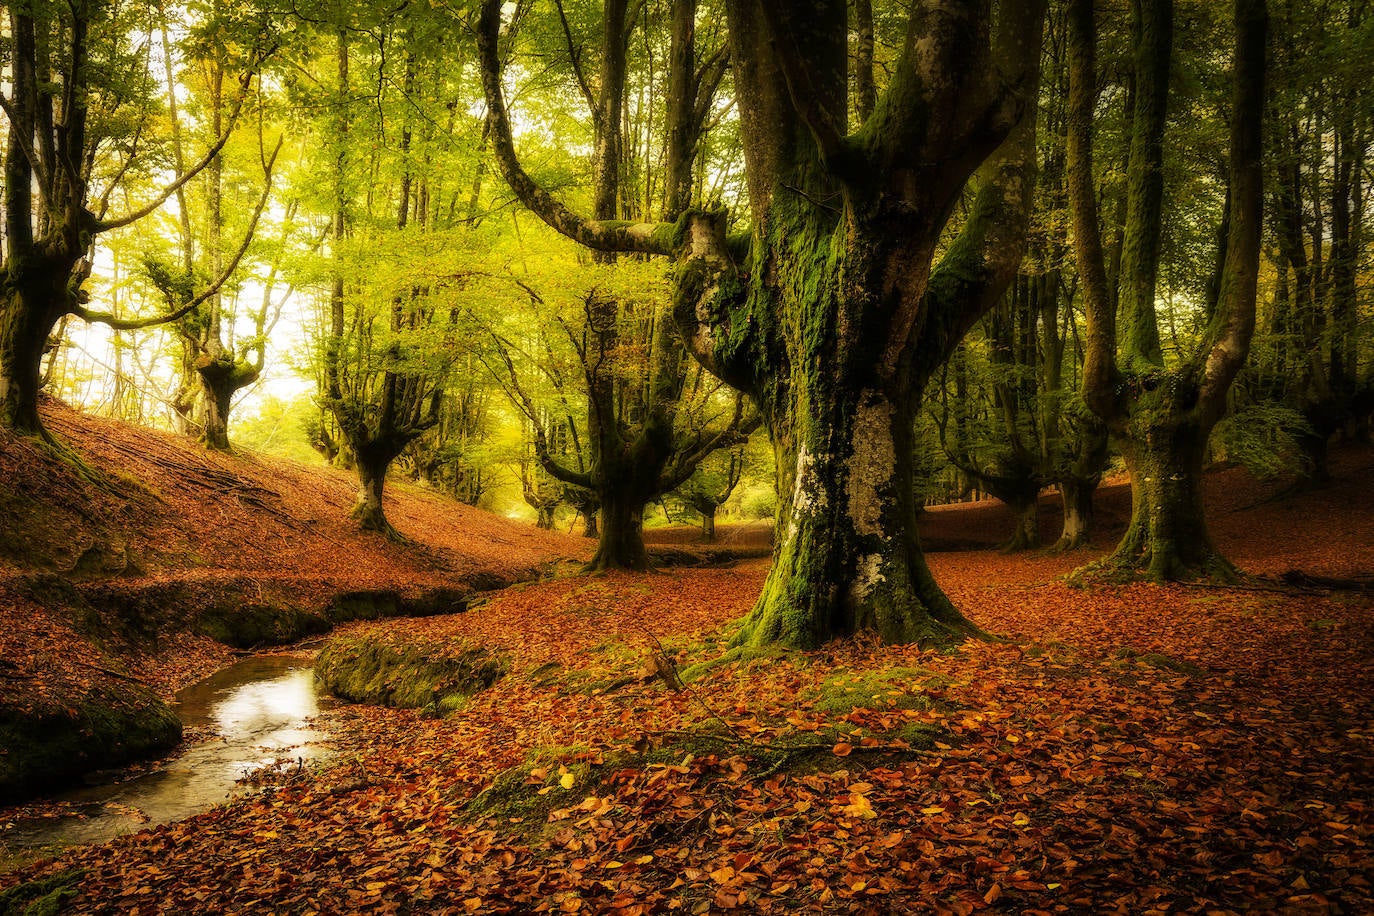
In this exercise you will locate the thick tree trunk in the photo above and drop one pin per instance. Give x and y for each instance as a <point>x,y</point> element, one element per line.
<point>367,509</point>
<point>621,545</point>
<point>1167,539</point>
<point>1077,495</point>
<point>589,526</point>
<point>23,333</point>
<point>1026,534</point>
<point>545,519</point>
<point>218,398</point>
<point>847,557</point>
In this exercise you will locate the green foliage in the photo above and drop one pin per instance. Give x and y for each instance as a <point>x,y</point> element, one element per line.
<point>281,428</point>
<point>1263,438</point>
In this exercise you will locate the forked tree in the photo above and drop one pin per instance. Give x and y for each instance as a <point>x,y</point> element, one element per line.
<point>1160,412</point>
<point>833,311</point>
<point>64,64</point>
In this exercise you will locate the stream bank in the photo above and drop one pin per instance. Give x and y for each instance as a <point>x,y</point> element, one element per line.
<point>261,713</point>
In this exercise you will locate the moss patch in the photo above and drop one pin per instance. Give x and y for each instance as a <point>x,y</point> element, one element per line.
<point>363,670</point>
<point>109,726</point>
<point>41,896</point>
<point>888,688</point>
<point>245,626</point>
<point>1158,660</point>
<point>744,656</point>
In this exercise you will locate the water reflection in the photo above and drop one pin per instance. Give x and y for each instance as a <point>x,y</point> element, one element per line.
<point>259,711</point>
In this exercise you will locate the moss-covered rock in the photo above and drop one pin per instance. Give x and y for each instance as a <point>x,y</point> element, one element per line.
<point>245,626</point>
<point>363,670</point>
<point>112,724</point>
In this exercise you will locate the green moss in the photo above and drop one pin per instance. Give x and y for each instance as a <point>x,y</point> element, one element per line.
<point>890,688</point>
<point>363,670</point>
<point>245,626</point>
<point>364,604</point>
<point>522,797</point>
<point>744,656</point>
<point>42,896</point>
<point>1158,660</point>
<point>111,725</point>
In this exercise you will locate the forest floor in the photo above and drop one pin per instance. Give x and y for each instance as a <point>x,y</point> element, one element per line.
<point>1137,749</point>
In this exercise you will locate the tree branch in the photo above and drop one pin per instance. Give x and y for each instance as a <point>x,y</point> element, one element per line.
<point>134,324</point>
<point>1234,322</point>
<point>105,225</point>
<point>600,235</point>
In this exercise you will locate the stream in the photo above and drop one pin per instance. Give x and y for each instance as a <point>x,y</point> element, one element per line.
<point>247,716</point>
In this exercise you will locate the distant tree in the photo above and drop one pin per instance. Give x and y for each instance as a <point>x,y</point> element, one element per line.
<point>79,110</point>
<point>1160,412</point>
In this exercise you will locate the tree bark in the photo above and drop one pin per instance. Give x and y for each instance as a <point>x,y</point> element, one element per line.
<point>1077,495</point>
<point>708,525</point>
<point>1026,534</point>
<point>621,544</point>
<point>24,329</point>
<point>368,510</point>
<point>1167,538</point>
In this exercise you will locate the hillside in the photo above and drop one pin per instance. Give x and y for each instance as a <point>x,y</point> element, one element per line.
<point>127,580</point>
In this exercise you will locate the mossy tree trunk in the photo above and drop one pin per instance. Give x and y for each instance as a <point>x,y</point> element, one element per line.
<point>1159,414</point>
<point>220,380</point>
<point>24,328</point>
<point>831,314</point>
<point>1167,538</point>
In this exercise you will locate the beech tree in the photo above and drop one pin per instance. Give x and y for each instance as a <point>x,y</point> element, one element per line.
<point>636,450</point>
<point>65,111</point>
<point>1159,412</point>
<point>833,311</point>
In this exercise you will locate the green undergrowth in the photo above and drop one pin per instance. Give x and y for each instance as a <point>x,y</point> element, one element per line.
<point>41,896</point>
<point>363,670</point>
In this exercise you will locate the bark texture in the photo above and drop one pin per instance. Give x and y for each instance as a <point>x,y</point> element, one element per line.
<point>1160,414</point>
<point>831,314</point>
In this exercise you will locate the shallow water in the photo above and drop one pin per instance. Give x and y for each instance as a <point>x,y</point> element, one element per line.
<point>256,712</point>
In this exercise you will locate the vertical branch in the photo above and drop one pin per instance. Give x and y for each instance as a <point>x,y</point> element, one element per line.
<point>1099,366</point>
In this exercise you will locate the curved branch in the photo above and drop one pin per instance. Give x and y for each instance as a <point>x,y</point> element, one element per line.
<point>1100,371</point>
<point>525,404</point>
<point>105,225</point>
<point>983,259</point>
<point>1234,322</point>
<point>134,324</point>
<point>600,235</point>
